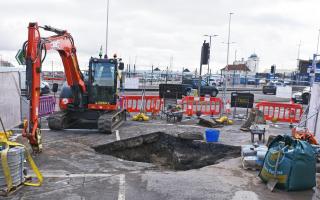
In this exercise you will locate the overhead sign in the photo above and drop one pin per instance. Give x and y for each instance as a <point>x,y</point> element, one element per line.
<point>20,57</point>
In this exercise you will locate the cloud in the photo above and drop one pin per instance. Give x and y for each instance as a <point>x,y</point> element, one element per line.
<point>153,31</point>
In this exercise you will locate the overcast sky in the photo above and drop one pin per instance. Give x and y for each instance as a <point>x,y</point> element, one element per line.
<point>151,31</point>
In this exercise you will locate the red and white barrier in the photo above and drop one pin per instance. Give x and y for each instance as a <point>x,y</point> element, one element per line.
<point>152,104</point>
<point>206,105</point>
<point>282,112</point>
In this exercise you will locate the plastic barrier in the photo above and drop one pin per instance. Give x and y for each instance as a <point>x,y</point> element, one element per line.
<point>282,112</point>
<point>152,104</point>
<point>47,105</point>
<point>206,105</point>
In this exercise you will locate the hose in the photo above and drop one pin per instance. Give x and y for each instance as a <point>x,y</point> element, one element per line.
<point>45,52</point>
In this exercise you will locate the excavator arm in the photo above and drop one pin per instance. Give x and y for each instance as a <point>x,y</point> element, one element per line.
<point>36,48</point>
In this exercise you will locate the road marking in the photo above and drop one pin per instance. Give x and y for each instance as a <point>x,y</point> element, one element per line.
<point>243,195</point>
<point>122,187</point>
<point>118,138</point>
<point>117,135</point>
<point>122,178</point>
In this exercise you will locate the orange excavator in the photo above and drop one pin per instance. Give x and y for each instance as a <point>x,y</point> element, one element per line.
<point>92,99</point>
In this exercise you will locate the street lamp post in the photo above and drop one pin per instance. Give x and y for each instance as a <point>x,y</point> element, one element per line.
<point>210,36</point>
<point>228,47</point>
<point>228,44</point>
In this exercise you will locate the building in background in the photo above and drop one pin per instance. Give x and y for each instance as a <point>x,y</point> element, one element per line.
<point>253,63</point>
<point>238,62</point>
<point>4,63</point>
<point>235,72</point>
<point>238,69</point>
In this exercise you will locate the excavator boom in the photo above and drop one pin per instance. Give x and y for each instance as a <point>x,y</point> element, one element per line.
<point>34,49</point>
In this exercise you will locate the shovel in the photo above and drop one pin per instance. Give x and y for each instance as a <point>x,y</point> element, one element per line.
<point>273,181</point>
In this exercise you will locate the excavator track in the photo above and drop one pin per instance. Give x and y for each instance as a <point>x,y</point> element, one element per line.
<point>108,122</point>
<point>57,120</point>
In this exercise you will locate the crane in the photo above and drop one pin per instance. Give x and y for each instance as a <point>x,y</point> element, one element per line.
<point>94,99</point>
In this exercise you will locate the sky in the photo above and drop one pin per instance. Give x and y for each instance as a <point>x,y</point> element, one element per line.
<point>153,32</point>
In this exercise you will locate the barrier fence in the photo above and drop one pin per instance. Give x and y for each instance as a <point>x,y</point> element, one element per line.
<point>152,104</point>
<point>206,105</point>
<point>47,105</point>
<point>190,105</point>
<point>282,112</point>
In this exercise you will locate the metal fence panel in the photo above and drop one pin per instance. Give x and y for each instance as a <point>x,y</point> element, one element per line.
<point>10,107</point>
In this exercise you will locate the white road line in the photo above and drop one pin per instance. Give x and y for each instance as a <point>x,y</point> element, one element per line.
<point>122,178</point>
<point>118,138</point>
<point>117,135</point>
<point>122,187</point>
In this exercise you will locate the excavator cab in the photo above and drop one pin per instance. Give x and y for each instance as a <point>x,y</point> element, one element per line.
<point>102,85</point>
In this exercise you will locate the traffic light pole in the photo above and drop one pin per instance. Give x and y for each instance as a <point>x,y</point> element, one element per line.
<point>209,55</point>
<point>200,72</point>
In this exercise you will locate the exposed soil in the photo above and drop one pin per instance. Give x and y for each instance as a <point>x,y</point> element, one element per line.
<point>170,152</point>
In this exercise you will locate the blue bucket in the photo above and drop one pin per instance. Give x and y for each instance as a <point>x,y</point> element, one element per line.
<point>212,135</point>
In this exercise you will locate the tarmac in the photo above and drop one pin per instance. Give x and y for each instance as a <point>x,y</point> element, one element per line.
<point>73,170</point>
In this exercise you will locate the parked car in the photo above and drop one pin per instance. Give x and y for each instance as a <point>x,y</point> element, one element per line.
<point>215,81</point>
<point>251,81</point>
<point>271,87</point>
<point>262,81</point>
<point>44,88</point>
<point>302,96</point>
<point>287,82</point>
<point>205,88</point>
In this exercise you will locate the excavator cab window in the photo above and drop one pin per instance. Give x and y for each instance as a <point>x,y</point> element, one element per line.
<point>103,82</point>
<point>103,74</point>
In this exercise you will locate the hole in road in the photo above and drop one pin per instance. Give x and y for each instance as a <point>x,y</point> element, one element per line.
<point>170,152</point>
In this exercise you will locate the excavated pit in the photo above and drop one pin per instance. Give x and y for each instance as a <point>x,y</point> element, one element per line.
<point>169,152</point>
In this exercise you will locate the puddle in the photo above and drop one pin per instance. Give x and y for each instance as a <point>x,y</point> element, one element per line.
<point>169,152</point>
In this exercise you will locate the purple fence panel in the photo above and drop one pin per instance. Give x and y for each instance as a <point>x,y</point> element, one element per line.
<point>47,105</point>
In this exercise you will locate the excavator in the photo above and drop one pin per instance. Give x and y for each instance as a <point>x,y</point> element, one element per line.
<point>94,99</point>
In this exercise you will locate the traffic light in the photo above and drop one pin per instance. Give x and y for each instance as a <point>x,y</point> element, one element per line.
<point>273,69</point>
<point>205,53</point>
